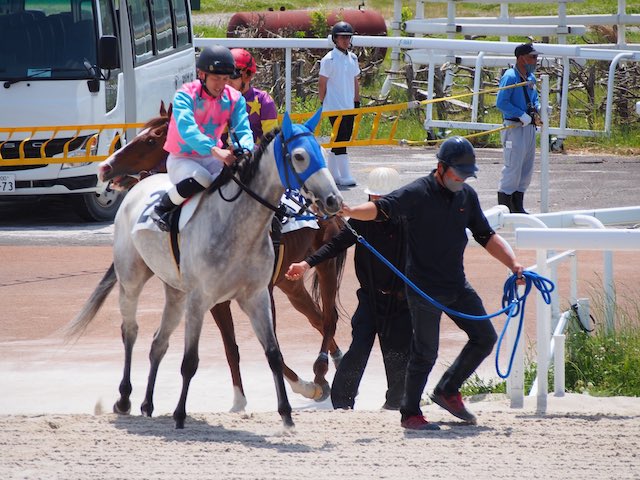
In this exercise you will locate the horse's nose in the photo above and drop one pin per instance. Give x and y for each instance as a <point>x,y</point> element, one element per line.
<point>333,204</point>
<point>103,170</point>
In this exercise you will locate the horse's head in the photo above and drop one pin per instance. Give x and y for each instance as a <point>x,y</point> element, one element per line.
<point>302,166</point>
<point>139,156</point>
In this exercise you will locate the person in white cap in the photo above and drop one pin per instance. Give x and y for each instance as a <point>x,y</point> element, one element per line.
<point>382,306</point>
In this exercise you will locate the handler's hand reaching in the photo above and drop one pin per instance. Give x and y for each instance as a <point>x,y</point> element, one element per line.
<point>296,270</point>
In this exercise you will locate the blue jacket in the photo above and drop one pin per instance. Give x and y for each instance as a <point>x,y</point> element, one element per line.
<point>512,102</point>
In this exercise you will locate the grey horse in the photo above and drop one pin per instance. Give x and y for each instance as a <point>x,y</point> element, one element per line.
<point>226,254</point>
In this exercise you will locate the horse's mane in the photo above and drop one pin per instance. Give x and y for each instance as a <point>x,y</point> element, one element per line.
<point>156,122</point>
<point>248,167</point>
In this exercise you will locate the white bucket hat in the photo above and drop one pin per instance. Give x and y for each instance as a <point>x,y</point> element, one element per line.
<point>382,180</point>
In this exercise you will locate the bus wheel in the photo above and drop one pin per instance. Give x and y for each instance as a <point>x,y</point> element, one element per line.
<point>99,206</point>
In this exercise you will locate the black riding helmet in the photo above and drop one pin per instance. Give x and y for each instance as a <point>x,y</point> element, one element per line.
<point>216,59</point>
<point>457,152</point>
<point>341,29</point>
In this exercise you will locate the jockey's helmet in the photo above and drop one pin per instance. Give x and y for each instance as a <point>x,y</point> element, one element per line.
<point>216,59</point>
<point>244,60</point>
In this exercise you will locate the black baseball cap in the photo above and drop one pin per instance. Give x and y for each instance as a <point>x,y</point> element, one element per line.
<point>525,49</point>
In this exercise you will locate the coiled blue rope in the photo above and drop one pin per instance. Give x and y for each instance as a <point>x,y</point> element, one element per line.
<point>512,302</point>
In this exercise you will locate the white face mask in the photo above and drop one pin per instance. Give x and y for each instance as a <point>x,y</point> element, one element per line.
<point>452,185</point>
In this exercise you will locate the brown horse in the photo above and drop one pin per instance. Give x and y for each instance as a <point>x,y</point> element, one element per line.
<point>143,156</point>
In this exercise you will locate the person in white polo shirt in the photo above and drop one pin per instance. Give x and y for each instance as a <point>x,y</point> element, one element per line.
<point>339,89</point>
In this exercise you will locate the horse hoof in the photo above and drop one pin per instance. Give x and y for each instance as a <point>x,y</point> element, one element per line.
<point>322,392</point>
<point>287,422</point>
<point>179,424</point>
<point>336,357</point>
<point>122,410</point>
<point>146,412</point>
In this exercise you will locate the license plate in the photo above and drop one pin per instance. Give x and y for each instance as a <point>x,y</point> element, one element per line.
<point>7,183</point>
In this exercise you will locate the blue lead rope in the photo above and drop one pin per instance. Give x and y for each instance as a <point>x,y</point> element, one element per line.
<point>512,302</point>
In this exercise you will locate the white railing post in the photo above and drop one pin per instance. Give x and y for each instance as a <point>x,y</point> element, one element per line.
<point>544,145</point>
<point>558,365</point>
<point>543,336</point>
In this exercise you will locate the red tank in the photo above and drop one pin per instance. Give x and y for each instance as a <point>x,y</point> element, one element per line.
<point>364,22</point>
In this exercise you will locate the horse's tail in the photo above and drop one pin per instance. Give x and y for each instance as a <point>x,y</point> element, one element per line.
<point>315,283</point>
<point>82,320</point>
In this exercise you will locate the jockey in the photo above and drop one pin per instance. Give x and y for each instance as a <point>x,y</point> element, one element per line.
<point>202,110</point>
<point>262,111</point>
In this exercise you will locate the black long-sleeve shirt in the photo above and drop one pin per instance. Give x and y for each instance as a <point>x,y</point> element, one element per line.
<point>388,237</point>
<point>437,220</point>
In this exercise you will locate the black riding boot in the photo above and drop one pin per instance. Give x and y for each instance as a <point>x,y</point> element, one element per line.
<point>163,212</point>
<point>518,203</point>
<point>165,209</point>
<point>505,199</point>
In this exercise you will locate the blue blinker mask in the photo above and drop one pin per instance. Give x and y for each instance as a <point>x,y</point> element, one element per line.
<point>295,136</point>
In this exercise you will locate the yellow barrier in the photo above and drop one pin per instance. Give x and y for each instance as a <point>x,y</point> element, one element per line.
<point>378,111</point>
<point>96,130</point>
<point>70,133</point>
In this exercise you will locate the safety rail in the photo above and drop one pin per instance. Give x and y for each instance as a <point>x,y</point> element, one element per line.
<point>21,151</point>
<point>96,130</point>
<point>545,233</point>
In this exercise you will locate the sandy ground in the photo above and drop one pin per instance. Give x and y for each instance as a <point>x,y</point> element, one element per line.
<point>580,437</point>
<point>55,421</point>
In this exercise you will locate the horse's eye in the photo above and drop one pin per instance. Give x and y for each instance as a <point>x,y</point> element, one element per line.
<point>301,159</point>
<point>151,141</point>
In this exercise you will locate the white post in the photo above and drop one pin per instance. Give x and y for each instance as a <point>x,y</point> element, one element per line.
<point>544,146</point>
<point>477,85</point>
<point>287,79</point>
<point>558,365</point>
<point>395,51</point>
<point>610,85</point>
<point>622,10</point>
<point>543,318</point>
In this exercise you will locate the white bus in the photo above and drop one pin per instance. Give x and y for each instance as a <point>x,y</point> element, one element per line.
<point>82,62</point>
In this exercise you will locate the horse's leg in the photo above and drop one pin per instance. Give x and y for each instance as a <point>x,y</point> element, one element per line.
<point>297,384</point>
<point>327,277</point>
<point>258,309</point>
<point>130,289</point>
<point>194,317</point>
<point>171,316</point>
<point>301,300</point>
<point>222,315</point>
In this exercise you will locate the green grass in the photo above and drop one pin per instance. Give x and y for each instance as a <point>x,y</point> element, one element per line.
<point>600,363</point>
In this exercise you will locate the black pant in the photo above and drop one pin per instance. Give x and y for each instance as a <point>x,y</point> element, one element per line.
<point>392,324</point>
<point>426,336</point>
<point>344,132</point>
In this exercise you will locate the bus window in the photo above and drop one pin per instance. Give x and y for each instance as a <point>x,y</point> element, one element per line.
<point>107,18</point>
<point>182,23</point>
<point>163,26</point>
<point>141,26</point>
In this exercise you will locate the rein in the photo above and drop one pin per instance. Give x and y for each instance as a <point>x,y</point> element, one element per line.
<point>280,211</point>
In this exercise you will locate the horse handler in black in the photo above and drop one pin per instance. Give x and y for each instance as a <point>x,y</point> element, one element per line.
<point>439,208</point>
<point>382,305</point>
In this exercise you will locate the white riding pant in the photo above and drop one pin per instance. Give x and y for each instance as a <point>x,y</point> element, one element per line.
<point>203,170</point>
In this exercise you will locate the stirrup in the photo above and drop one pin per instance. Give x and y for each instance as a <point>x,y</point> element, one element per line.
<point>163,219</point>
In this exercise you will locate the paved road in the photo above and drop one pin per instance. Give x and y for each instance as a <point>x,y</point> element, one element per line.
<point>577,181</point>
